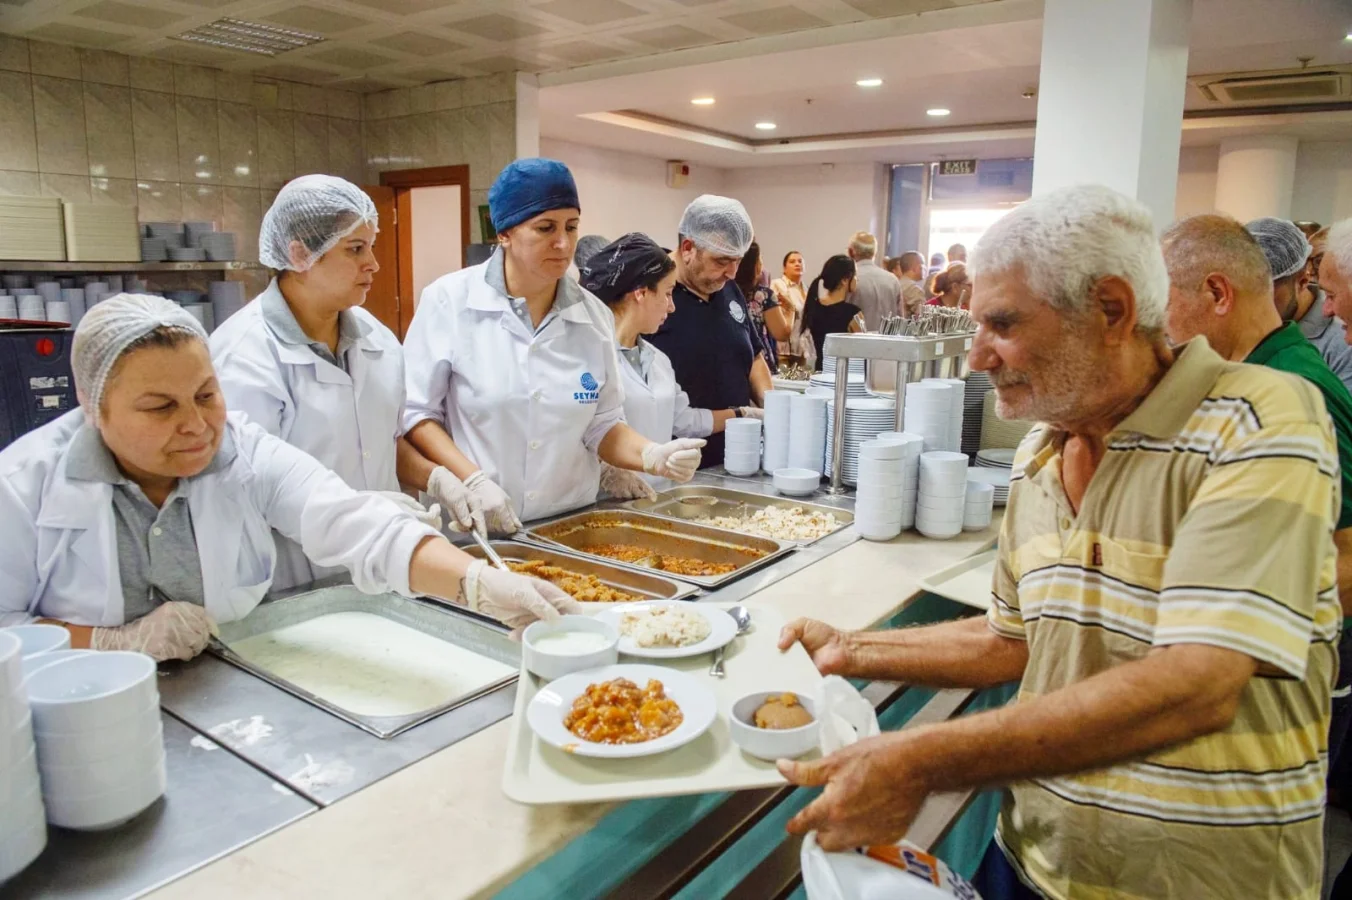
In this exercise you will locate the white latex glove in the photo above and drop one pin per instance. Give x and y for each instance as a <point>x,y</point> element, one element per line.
<point>677,460</point>
<point>498,515</point>
<point>457,499</point>
<point>625,485</point>
<point>431,517</point>
<point>514,600</point>
<point>752,412</point>
<point>173,630</point>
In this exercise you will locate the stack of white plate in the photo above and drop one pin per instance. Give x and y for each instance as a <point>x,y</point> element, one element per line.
<point>219,245</point>
<point>96,718</point>
<point>194,231</point>
<point>187,254</point>
<point>9,307</point>
<point>929,413</point>
<point>829,366</point>
<point>883,504</point>
<point>854,386</point>
<point>973,410</point>
<point>776,421</point>
<point>49,290</point>
<point>12,282</point>
<point>742,447</point>
<point>807,432</point>
<point>31,228</point>
<point>32,308</point>
<point>865,419</point>
<point>995,458</point>
<point>23,826</point>
<point>153,250</point>
<point>106,233</point>
<point>942,495</point>
<point>94,292</point>
<point>977,511</point>
<point>58,311</point>
<point>997,432</point>
<point>202,313</point>
<point>956,411</point>
<point>227,298</point>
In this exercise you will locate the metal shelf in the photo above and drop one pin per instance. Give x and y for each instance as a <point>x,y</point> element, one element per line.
<point>49,266</point>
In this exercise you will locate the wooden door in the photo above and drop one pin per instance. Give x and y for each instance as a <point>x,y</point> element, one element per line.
<point>384,300</point>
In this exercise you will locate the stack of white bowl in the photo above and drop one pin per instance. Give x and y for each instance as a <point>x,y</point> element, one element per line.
<point>227,298</point>
<point>742,446</point>
<point>881,499</point>
<point>957,410</point>
<point>100,743</point>
<point>13,282</point>
<point>48,290</point>
<point>807,432</point>
<point>58,311</point>
<point>75,299</point>
<point>32,308</point>
<point>997,478</point>
<point>865,419</point>
<point>775,424</point>
<point>23,824</point>
<point>929,413</point>
<point>915,445</point>
<point>9,307</point>
<point>943,493</point>
<point>976,513</point>
<point>95,291</point>
<point>854,385</point>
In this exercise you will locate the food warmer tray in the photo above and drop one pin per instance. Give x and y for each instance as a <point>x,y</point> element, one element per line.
<point>692,501</point>
<point>420,615</point>
<point>578,531</point>
<point>648,584</point>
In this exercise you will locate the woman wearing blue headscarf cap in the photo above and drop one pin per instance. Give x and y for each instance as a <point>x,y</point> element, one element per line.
<point>513,383</point>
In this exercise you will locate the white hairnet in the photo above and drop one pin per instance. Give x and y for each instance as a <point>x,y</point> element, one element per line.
<point>109,328</point>
<point>717,224</point>
<point>317,211</point>
<point>1284,245</point>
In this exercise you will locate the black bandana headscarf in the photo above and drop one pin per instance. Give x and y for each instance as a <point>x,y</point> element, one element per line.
<point>623,265</point>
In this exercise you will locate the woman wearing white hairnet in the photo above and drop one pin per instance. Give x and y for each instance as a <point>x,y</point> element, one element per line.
<point>309,365</point>
<point>145,516</point>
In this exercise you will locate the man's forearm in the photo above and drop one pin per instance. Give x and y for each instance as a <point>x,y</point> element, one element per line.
<point>760,379</point>
<point>965,653</point>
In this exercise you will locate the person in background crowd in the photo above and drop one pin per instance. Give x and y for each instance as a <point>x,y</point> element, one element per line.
<point>910,271</point>
<point>1287,251</point>
<point>1175,658</point>
<point>877,292</point>
<point>957,254</point>
<point>937,264</point>
<point>587,245</point>
<point>1335,271</point>
<point>828,309</point>
<point>715,353</point>
<point>792,297</point>
<point>770,320</point>
<point>1309,229</point>
<point>952,287</point>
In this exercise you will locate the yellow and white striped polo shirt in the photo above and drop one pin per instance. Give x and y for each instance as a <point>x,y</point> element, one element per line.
<point>1209,521</point>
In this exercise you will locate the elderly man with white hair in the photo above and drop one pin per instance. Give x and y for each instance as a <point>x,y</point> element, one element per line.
<point>877,292</point>
<point>1335,271</point>
<point>1164,591</point>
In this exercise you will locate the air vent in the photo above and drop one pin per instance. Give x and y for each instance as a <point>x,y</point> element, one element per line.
<point>249,37</point>
<point>1277,88</point>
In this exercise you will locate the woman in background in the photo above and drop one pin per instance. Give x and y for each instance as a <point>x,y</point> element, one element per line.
<point>827,310</point>
<point>792,297</point>
<point>771,321</point>
<point>952,287</point>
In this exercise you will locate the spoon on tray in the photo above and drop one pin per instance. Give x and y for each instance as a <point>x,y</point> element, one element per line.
<point>742,616</point>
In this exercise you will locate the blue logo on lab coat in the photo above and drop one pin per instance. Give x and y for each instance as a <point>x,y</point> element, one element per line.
<point>591,391</point>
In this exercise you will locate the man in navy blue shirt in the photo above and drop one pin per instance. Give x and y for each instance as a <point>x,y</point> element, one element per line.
<point>714,350</point>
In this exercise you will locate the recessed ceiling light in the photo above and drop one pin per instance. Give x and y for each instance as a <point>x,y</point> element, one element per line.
<point>703,101</point>
<point>937,111</point>
<point>870,82</point>
<point>766,126</point>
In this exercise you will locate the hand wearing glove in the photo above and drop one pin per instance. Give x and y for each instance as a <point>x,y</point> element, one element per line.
<point>751,412</point>
<point>677,460</point>
<point>498,514</point>
<point>625,485</point>
<point>430,517</point>
<point>457,499</point>
<point>512,599</point>
<point>173,630</point>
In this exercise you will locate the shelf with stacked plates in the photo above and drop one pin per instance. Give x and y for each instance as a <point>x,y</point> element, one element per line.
<point>10,265</point>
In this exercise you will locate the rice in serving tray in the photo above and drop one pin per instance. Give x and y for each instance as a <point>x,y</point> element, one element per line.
<point>665,626</point>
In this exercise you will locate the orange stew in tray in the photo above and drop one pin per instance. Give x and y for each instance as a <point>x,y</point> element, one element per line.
<point>618,712</point>
<point>663,562</point>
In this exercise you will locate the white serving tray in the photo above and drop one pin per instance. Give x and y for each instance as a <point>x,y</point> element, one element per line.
<point>535,773</point>
<point>968,582</point>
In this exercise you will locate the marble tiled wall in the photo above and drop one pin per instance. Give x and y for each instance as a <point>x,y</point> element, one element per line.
<point>181,142</point>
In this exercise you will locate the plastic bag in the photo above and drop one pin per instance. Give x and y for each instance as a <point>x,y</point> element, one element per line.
<point>844,714</point>
<point>900,871</point>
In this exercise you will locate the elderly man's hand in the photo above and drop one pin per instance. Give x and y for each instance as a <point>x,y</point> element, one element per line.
<point>872,795</point>
<point>828,647</point>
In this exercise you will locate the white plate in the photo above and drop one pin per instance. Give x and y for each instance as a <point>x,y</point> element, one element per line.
<point>552,704</point>
<point>996,457</point>
<point>722,629</point>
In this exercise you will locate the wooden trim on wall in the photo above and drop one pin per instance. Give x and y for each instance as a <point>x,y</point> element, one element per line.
<point>433,176</point>
<point>403,204</point>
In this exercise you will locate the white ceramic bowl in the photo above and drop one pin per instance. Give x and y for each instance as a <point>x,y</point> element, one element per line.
<point>21,849</point>
<point>937,533</point>
<point>940,494</point>
<point>878,449</point>
<point>880,533</point>
<point>16,739</point>
<point>91,691</point>
<point>980,492</point>
<point>765,743</point>
<point>77,750</point>
<point>40,638</point>
<point>96,812</point>
<point>930,520</point>
<point>950,509</point>
<point>41,660</point>
<point>796,482</point>
<point>11,661</point>
<point>17,778</point>
<point>869,476</point>
<point>944,461</point>
<point>125,731</point>
<point>22,811</point>
<point>109,774</point>
<point>551,665</point>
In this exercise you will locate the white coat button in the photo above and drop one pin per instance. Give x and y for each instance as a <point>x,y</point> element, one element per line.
<point>366,454</point>
<point>530,495</point>
<point>535,445</point>
<point>535,395</point>
<point>156,531</point>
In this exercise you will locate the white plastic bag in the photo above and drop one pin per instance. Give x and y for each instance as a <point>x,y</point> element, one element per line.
<point>844,714</point>
<point>900,871</point>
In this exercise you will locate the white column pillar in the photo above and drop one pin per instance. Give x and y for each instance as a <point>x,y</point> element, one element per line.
<point>527,115</point>
<point>1110,97</point>
<point>1256,176</point>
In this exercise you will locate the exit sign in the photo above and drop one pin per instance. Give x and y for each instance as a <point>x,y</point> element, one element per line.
<point>957,167</point>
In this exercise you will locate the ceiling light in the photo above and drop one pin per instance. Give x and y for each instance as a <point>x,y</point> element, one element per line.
<point>937,111</point>
<point>870,82</point>
<point>766,126</point>
<point>1349,36</point>
<point>249,37</point>
<point>703,101</point>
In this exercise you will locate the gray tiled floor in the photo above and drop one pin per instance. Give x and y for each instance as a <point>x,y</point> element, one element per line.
<point>1337,845</point>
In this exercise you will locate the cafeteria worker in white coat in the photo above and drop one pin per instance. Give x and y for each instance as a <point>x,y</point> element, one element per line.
<point>144,517</point>
<point>306,363</point>
<point>635,278</point>
<point>513,382</point>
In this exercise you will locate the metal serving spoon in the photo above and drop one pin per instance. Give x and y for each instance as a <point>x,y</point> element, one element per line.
<point>742,617</point>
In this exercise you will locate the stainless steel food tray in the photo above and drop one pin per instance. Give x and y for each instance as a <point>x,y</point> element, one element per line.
<point>648,584</point>
<point>579,531</point>
<point>423,616</point>
<point>694,501</point>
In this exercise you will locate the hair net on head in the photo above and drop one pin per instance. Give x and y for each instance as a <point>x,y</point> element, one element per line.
<point>317,211</point>
<point>717,224</point>
<point>527,187</point>
<point>109,328</point>
<point>587,246</point>
<point>1284,245</point>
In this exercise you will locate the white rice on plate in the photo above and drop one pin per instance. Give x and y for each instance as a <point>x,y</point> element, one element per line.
<point>665,626</point>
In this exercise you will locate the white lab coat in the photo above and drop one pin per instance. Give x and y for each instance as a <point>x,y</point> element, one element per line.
<point>349,421</point>
<point>656,407</point>
<point>58,540</point>
<point>529,409</point>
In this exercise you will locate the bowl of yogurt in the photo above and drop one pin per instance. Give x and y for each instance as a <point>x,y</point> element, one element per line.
<point>569,644</point>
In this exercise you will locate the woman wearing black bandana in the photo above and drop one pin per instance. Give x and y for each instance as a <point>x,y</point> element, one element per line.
<point>635,278</point>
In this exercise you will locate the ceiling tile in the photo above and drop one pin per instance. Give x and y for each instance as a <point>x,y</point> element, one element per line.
<point>669,37</point>
<point>349,57</point>
<point>289,72</point>
<point>316,20</point>
<point>427,76</point>
<point>492,64</point>
<point>779,20</point>
<point>207,4</point>
<point>182,51</point>
<point>496,28</point>
<point>403,7</point>
<point>582,52</point>
<point>127,14</point>
<point>882,9</point>
<point>74,34</point>
<point>589,12</point>
<point>417,44</point>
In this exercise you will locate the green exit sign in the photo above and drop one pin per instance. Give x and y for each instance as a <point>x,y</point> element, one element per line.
<point>957,167</point>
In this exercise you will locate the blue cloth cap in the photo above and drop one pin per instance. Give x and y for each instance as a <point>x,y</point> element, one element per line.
<point>528,187</point>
